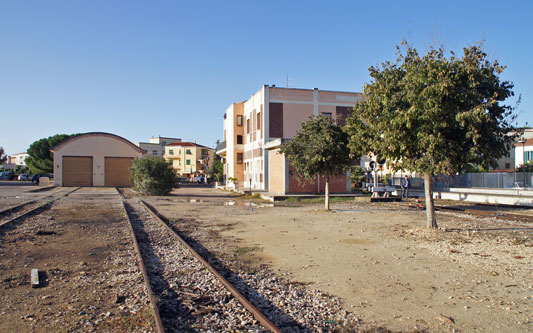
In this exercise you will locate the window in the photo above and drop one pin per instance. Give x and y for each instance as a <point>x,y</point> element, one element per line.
<point>258,120</point>
<point>188,152</point>
<point>327,114</point>
<point>239,158</point>
<point>154,152</point>
<point>247,125</point>
<point>239,139</point>
<point>188,162</point>
<point>508,165</point>
<point>239,120</point>
<point>171,152</point>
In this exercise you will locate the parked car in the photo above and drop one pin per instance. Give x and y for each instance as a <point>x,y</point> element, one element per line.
<point>7,175</point>
<point>35,178</point>
<point>24,176</point>
<point>199,179</point>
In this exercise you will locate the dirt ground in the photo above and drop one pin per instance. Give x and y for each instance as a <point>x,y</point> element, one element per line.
<point>89,277</point>
<point>379,259</point>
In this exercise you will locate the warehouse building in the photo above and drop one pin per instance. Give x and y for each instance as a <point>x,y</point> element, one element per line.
<point>94,159</point>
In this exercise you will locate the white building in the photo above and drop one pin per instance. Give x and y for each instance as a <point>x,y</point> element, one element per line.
<point>156,145</point>
<point>18,159</point>
<point>523,152</point>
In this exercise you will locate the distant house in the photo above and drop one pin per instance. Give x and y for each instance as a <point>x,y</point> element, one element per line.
<point>156,145</point>
<point>515,157</point>
<point>523,152</point>
<point>188,158</point>
<point>255,129</point>
<point>18,159</point>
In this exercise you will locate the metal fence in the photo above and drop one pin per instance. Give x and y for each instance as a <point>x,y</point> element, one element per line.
<point>478,179</point>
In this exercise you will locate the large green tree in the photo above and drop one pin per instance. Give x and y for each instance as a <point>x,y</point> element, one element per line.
<point>318,149</point>
<point>40,159</point>
<point>434,114</point>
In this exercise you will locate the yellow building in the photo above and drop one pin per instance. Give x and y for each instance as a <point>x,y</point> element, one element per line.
<point>189,159</point>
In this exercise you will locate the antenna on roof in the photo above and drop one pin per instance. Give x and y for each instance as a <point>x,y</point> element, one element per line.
<point>289,80</point>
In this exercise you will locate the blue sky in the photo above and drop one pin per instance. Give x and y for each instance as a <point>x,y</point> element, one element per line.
<point>171,68</point>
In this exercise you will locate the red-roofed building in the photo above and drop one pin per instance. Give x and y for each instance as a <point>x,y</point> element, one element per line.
<point>189,159</point>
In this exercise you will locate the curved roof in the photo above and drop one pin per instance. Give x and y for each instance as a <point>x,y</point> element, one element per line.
<point>84,135</point>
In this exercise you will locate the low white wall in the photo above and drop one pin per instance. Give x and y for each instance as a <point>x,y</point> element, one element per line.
<point>496,196</point>
<point>482,195</point>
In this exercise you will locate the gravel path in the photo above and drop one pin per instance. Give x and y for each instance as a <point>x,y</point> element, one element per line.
<point>190,297</point>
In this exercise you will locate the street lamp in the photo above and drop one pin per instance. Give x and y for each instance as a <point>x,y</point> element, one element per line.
<point>523,142</point>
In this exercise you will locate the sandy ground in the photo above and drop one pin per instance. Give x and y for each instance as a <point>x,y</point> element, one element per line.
<point>380,260</point>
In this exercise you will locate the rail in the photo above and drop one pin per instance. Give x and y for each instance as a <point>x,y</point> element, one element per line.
<point>258,315</point>
<point>31,211</point>
<point>153,300</point>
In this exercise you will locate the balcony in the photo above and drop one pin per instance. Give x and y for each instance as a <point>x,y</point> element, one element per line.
<point>221,148</point>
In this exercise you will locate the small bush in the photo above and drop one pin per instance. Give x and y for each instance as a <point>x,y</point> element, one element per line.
<point>153,176</point>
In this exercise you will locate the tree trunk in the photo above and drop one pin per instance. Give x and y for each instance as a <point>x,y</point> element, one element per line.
<point>326,195</point>
<point>431,221</point>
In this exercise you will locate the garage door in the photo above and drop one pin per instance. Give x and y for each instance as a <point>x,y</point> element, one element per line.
<point>77,171</point>
<point>117,171</point>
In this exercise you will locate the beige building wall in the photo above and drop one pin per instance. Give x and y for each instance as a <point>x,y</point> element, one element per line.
<point>98,146</point>
<point>277,172</point>
<point>233,134</point>
<point>296,115</point>
<point>186,159</point>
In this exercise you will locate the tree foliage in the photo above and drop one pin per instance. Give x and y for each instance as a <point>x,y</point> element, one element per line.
<point>40,159</point>
<point>217,168</point>
<point>357,175</point>
<point>318,149</point>
<point>3,157</point>
<point>526,167</point>
<point>434,114</point>
<point>152,175</point>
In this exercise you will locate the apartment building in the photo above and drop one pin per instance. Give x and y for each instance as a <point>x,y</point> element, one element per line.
<point>156,145</point>
<point>188,158</point>
<point>255,129</point>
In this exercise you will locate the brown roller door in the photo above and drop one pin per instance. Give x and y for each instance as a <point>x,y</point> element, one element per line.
<point>77,171</point>
<point>117,171</point>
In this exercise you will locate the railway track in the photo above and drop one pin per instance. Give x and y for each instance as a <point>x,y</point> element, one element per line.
<point>480,213</point>
<point>185,291</point>
<point>11,214</point>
